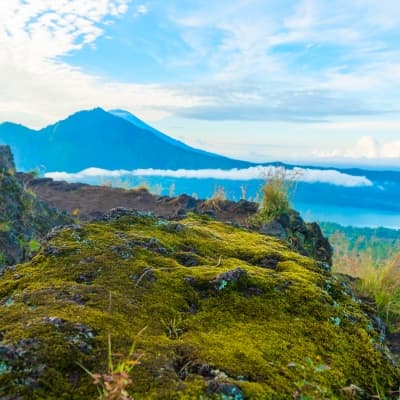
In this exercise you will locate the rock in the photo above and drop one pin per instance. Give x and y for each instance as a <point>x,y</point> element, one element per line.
<point>268,262</point>
<point>118,212</point>
<point>187,259</point>
<point>284,220</point>
<point>20,361</point>
<point>275,229</point>
<point>222,280</point>
<point>86,278</point>
<point>296,223</point>
<point>228,390</point>
<point>76,334</point>
<point>307,238</point>
<point>209,213</point>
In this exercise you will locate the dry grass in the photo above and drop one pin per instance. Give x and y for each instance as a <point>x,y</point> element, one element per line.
<point>218,197</point>
<point>379,282</point>
<point>276,193</point>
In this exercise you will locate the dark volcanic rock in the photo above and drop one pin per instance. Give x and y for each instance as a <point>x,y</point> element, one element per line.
<point>225,390</point>
<point>274,228</point>
<point>24,219</point>
<point>223,280</point>
<point>307,238</point>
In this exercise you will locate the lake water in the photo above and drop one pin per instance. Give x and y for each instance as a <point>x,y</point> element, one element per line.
<point>348,216</point>
<point>378,205</point>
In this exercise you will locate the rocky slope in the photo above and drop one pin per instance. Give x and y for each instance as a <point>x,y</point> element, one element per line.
<point>90,201</point>
<point>230,311</point>
<point>24,219</point>
<point>229,314</point>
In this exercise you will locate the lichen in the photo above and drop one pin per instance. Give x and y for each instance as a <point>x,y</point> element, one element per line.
<point>232,324</point>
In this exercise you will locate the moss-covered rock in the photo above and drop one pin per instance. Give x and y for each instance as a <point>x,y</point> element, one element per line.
<point>24,219</point>
<point>230,314</point>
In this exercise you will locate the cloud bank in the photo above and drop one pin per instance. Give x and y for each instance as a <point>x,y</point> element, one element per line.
<point>366,147</point>
<point>36,38</point>
<point>305,175</point>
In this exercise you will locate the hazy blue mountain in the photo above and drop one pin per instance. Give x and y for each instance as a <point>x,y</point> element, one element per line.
<point>142,125</point>
<point>101,139</point>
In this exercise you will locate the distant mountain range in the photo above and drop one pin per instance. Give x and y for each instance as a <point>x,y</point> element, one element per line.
<point>109,140</point>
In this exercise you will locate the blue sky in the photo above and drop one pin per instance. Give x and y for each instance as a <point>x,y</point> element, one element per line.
<point>301,81</point>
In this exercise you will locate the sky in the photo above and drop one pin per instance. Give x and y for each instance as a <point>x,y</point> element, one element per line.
<point>293,80</point>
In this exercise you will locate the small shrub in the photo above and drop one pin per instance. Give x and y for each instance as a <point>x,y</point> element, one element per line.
<point>143,186</point>
<point>173,327</point>
<point>33,245</point>
<point>112,385</point>
<point>34,173</point>
<point>276,195</point>
<point>217,198</point>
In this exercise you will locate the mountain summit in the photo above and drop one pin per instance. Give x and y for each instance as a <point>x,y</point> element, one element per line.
<point>109,140</point>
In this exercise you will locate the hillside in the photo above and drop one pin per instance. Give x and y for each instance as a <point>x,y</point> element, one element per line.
<point>100,139</point>
<point>24,218</point>
<point>229,313</point>
<point>223,311</point>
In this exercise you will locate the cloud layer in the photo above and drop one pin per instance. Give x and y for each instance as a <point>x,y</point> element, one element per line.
<point>306,175</point>
<point>38,84</point>
<point>366,148</point>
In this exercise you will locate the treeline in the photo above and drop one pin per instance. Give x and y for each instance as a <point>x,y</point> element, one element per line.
<point>380,244</point>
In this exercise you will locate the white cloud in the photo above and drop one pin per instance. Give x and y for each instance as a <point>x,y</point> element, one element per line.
<point>299,174</point>
<point>365,148</point>
<point>37,88</point>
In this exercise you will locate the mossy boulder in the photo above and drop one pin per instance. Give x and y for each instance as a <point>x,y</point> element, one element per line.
<point>244,318</point>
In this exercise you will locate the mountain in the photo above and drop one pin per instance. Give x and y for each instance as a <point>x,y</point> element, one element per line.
<point>109,140</point>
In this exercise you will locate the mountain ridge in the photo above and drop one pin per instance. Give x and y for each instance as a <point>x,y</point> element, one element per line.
<point>98,138</point>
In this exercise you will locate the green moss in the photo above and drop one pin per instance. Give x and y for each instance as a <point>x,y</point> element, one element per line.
<point>256,331</point>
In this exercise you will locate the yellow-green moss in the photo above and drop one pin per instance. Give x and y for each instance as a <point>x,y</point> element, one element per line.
<point>265,332</point>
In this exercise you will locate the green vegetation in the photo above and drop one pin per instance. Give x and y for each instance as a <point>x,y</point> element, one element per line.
<point>275,199</point>
<point>5,226</point>
<point>381,244</point>
<point>230,326</point>
<point>112,385</point>
<point>373,256</point>
<point>382,284</point>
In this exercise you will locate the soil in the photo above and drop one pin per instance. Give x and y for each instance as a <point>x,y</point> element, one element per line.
<point>88,201</point>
